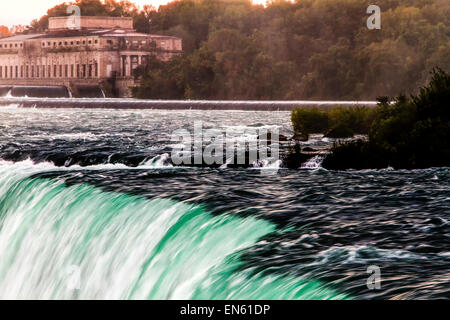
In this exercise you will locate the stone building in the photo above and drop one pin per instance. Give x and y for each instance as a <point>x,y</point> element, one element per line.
<point>102,52</point>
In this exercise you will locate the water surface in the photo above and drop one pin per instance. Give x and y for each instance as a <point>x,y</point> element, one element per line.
<point>88,195</point>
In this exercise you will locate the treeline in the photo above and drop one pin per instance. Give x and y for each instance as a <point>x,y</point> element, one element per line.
<point>4,31</point>
<point>310,49</point>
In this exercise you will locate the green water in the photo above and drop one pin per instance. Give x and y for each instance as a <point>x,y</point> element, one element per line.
<point>79,242</point>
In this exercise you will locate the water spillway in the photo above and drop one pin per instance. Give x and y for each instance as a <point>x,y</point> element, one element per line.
<point>35,91</point>
<point>5,90</point>
<point>246,105</point>
<point>90,92</point>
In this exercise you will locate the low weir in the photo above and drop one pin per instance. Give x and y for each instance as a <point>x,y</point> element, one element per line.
<point>29,91</point>
<point>84,103</point>
<point>35,91</point>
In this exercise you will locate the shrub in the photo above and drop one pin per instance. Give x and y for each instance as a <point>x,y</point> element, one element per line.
<point>309,120</point>
<point>339,122</point>
<point>408,133</point>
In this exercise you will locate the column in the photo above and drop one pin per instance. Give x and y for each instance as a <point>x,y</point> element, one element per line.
<point>128,66</point>
<point>97,66</point>
<point>121,66</point>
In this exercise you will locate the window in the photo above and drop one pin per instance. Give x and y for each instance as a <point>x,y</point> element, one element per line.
<point>17,71</point>
<point>43,44</point>
<point>78,43</point>
<point>54,71</point>
<point>84,41</point>
<point>60,43</point>
<point>107,41</point>
<point>78,70</point>
<point>27,71</point>
<point>84,71</point>
<point>21,45</point>
<point>71,71</point>
<point>90,71</point>
<point>71,43</point>
<point>15,45</point>
<point>90,41</point>
<point>32,71</point>
<point>1,72</point>
<point>66,71</point>
<point>37,72</point>
<point>49,44</point>
<point>21,71</point>
<point>60,70</point>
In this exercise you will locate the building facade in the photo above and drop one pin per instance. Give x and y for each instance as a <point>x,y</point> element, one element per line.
<point>101,52</point>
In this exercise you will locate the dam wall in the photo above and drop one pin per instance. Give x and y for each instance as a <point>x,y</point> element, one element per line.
<point>174,104</point>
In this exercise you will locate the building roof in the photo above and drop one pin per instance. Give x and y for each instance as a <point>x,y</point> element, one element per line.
<point>89,22</point>
<point>22,37</point>
<point>85,33</point>
<point>89,27</point>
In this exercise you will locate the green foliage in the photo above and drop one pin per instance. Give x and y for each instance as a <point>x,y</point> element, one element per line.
<point>310,120</point>
<point>358,154</point>
<point>310,49</point>
<point>164,82</point>
<point>409,133</point>
<point>340,122</point>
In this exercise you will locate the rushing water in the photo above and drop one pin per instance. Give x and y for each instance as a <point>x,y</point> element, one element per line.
<point>91,208</point>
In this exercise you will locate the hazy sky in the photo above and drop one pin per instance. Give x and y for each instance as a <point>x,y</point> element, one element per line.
<point>23,11</point>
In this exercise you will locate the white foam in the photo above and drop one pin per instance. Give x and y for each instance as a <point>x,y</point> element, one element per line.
<point>160,161</point>
<point>313,163</point>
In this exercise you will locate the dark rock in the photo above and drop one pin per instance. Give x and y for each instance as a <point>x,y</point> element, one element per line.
<point>268,137</point>
<point>300,137</point>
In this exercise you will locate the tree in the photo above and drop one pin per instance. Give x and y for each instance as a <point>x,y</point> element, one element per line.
<point>4,32</point>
